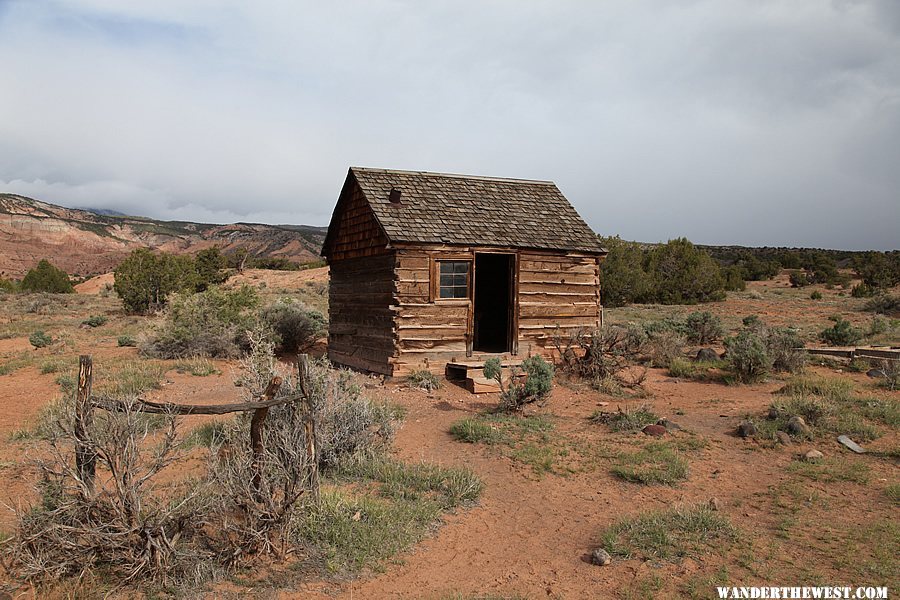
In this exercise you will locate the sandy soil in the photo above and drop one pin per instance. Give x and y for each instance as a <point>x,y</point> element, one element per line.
<point>532,534</point>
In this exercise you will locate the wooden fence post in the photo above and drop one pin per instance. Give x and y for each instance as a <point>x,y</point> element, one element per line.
<point>309,425</point>
<point>256,442</point>
<point>85,458</point>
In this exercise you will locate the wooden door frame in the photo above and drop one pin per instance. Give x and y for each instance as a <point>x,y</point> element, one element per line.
<point>512,323</point>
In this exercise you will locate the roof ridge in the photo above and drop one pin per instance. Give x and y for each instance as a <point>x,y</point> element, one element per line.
<point>454,175</point>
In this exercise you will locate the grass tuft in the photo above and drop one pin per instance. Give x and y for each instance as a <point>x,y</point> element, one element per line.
<point>656,464</point>
<point>684,532</point>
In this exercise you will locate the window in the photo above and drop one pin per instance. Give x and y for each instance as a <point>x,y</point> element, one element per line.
<point>454,279</point>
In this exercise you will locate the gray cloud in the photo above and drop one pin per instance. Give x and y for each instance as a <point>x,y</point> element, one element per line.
<point>726,121</point>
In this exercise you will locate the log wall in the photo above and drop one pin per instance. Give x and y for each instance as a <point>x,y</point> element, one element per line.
<point>554,289</point>
<point>360,330</point>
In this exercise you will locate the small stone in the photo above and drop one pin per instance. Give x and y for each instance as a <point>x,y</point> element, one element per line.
<point>783,438</point>
<point>654,430</point>
<point>746,429</point>
<point>669,425</point>
<point>875,373</point>
<point>600,557</point>
<point>706,355</point>
<point>715,504</point>
<point>813,456</point>
<point>797,426</point>
<point>846,441</point>
<point>773,413</point>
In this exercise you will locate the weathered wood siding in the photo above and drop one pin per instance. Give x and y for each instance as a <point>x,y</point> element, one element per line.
<point>556,289</point>
<point>358,233</point>
<point>360,330</point>
<point>427,334</point>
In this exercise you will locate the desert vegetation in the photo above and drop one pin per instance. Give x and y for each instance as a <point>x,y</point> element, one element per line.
<point>627,441</point>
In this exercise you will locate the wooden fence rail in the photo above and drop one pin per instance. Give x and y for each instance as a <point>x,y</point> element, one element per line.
<point>85,403</point>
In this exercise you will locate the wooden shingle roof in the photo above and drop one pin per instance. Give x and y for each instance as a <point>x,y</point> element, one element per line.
<point>439,208</point>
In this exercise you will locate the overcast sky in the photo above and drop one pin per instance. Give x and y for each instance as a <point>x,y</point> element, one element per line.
<point>729,122</point>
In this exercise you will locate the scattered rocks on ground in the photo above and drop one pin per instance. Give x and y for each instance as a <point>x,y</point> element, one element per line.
<point>875,373</point>
<point>600,557</point>
<point>813,456</point>
<point>797,426</point>
<point>746,429</point>
<point>715,504</point>
<point>846,441</point>
<point>706,355</point>
<point>669,425</point>
<point>783,438</point>
<point>654,430</point>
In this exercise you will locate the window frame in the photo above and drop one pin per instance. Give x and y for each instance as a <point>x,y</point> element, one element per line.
<point>436,279</point>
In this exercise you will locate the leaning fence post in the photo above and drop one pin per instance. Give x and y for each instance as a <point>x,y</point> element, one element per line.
<point>85,457</point>
<point>256,427</point>
<point>309,425</point>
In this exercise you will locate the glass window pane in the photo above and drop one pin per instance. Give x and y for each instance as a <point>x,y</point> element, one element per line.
<point>460,292</point>
<point>462,267</point>
<point>446,267</point>
<point>446,280</point>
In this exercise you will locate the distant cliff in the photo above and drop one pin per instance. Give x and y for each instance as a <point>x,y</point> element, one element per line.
<point>83,242</point>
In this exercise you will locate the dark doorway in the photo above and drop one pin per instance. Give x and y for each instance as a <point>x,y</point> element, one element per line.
<point>493,302</point>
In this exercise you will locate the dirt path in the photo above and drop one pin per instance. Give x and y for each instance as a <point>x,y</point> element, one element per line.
<point>532,535</point>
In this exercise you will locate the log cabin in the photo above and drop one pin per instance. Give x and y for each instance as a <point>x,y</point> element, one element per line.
<point>430,269</point>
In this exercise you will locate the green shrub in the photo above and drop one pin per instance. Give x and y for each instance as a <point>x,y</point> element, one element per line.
<point>684,274</point>
<point>39,339</point>
<point>676,272</point>
<point>209,265</point>
<point>7,286</point>
<point>424,380</point>
<point>145,280</point>
<point>537,385</point>
<point>211,324</point>
<point>703,327</point>
<point>95,321</point>
<point>295,326</point>
<point>885,304</point>
<point>816,295</point>
<point>862,290</point>
<point>798,279</point>
<point>842,333</point>
<point>785,349</point>
<point>748,356</point>
<point>623,279</point>
<point>126,341</point>
<point>46,278</point>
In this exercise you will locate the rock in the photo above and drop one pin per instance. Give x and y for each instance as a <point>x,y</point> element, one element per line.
<point>746,429</point>
<point>600,557</point>
<point>669,425</point>
<point>706,355</point>
<point>875,373</point>
<point>783,438</point>
<point>797,426</point>
<point>773,413</point>
<point>654,430</point>
<point>813,456</point>
<point>715,504</point>
<point>846,441</point>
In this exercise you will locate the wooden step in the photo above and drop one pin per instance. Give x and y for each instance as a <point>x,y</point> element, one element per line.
<point>482,385</point>
<point>457,370</point>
